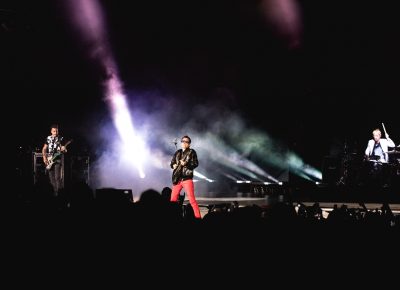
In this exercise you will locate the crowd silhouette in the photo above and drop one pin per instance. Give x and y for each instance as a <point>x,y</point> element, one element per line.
<point>79,203</point>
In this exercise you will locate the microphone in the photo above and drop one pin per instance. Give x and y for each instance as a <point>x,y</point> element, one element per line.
<point>175,141</point>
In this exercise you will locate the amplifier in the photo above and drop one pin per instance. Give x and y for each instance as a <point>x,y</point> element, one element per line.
<point>39,168</point>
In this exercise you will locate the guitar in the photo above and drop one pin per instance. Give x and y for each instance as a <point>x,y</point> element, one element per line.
<point>52,159</point>
<point>177,173</point>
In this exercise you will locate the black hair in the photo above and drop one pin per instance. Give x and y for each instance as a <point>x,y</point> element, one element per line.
<point>187,137</point>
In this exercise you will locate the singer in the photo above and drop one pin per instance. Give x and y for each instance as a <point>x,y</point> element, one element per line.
<point>183,164</point>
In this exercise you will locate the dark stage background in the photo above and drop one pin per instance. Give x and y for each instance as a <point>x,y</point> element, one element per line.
<point>338,84</point>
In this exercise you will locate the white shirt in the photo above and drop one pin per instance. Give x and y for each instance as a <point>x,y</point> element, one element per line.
<point>385,143</point>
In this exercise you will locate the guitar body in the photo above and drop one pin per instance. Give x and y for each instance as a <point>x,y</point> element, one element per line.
<point>53,159</point>
<point>177,173</point>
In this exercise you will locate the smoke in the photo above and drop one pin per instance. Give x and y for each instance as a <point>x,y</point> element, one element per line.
<point>137,143</point>
<point>227,147</point>
<point>88,21</point>
<point>284,16</point>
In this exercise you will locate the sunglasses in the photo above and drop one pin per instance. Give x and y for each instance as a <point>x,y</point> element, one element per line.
<point>184,141</point>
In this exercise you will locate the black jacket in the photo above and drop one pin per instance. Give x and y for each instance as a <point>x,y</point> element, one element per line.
<point>185,172</point>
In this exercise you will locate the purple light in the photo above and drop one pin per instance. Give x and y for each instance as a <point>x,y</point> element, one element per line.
<point>87,19</point>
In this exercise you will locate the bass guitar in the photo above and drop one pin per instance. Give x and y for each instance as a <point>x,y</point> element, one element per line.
<point>52,159</point>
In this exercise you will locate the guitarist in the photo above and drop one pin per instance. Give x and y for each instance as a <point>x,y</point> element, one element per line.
<point>183,163</point>
<point>53,145</point>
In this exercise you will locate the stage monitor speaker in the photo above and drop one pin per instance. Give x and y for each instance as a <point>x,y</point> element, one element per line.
<point>105,195</point>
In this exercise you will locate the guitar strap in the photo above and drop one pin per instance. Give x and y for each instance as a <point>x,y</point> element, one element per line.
<point>184,156</point>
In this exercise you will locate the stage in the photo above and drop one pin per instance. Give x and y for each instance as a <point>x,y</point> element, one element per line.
<point>326,196</point>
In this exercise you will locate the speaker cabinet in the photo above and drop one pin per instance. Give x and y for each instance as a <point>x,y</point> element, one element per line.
<point>79,167</point>
<point>331,169</point>
<point>39,168</point>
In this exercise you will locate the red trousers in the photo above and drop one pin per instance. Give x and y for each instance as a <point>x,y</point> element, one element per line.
<point>189,189</point>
